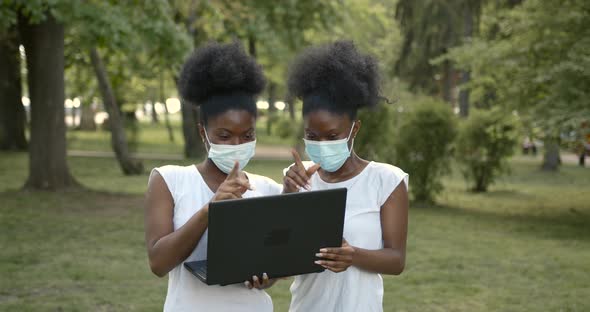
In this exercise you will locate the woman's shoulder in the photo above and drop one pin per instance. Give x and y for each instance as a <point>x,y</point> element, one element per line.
<point>388,173</point>
<point>171,170</point>
<point>386,168</point>
<point>172,174</point>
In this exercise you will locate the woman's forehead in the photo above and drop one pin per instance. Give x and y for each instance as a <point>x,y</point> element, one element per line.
<point>233,120</point>
<point>322,120</point>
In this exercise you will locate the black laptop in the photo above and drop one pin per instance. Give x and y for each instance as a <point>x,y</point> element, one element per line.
<point>278,235</point>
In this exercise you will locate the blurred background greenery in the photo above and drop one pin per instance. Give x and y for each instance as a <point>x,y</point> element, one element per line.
<point>485,106</point>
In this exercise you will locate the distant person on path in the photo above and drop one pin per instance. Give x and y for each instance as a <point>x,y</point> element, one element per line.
<point>334,81</point>
<point>584,143</point>
<point>223,81</point>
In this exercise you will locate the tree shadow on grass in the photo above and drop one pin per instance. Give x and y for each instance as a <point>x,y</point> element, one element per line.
<point>564,224</point>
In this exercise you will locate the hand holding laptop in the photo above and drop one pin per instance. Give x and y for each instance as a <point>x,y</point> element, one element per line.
<point>336,259</point>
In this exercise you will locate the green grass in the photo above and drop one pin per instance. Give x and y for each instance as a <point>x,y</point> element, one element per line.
<point>524,246</point>
<point>153,138</point>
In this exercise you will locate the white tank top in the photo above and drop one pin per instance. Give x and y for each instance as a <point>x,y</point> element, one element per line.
<point>353,289</point>
<point>185,291</point>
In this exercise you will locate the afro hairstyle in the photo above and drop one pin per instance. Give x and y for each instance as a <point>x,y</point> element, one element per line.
<point>335,77</point>
<point>220,77</point>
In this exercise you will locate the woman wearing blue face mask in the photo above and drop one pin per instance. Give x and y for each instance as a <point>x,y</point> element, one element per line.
<point>223,81</point>
<point>334,81</point>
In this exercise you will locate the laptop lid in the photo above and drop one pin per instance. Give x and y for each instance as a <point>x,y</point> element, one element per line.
<point>279,235</point>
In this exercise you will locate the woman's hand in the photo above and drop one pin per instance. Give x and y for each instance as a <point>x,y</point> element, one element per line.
<point>260,284</point>
<point>297,177</point>
<point>336,259</point>
<point>235,185</point>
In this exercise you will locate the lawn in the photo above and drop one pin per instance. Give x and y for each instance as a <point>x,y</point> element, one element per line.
<point>153,138</point>
<point>524,246</point>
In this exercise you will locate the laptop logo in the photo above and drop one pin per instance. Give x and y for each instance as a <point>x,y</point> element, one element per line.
<point>277,237</point>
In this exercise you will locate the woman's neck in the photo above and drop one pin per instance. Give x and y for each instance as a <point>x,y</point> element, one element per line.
<point>211,174</point>
<point>351,167</point>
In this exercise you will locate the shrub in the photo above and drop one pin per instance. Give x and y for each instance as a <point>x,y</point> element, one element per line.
<point>486,140</point>
<point>423,147</point>
<point>378,130</point>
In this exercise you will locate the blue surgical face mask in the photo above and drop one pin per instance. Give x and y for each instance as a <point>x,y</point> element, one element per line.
<point>225,155</point>
<point>331,155</point>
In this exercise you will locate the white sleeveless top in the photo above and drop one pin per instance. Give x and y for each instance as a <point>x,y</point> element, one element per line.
<point>185,291</point>
<point>353,289</point>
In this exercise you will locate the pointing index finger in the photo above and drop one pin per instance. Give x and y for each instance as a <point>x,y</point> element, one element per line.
<point>234,173</point>
<point>297,158</point>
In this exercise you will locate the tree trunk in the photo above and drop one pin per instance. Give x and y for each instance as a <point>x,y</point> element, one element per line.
<point>466,74</point>
<point>154,113</point>
<point>272,110</point>
<point>447,82</point>
<point>118,139</point>
<point>551,159</point>
<point>166,113</point>
<point>252,45</point>
<point>291,106</point>
<point>87,114</point>
<point>44,46</point>
<point>193,147</point>
<point>12,112</point>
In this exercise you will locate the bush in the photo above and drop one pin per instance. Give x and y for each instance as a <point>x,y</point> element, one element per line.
<point>423,147</point>
<point>485,141</point>
<point>377,134</point>
<point>286,128</point>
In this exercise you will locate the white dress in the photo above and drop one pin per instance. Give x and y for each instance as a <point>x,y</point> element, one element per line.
<point>353,289</point>
<point>185,291</point>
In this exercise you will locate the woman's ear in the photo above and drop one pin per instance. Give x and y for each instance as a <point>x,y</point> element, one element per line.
<point>356,128</point>
<point>202,134</point>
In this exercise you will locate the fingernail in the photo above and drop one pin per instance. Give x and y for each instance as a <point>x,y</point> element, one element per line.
<point>264,275</point>
<point>318,262</point>
<point>318,255</point>
<point>308,187</point>
<point>255,278</point>
<point>247,284</point>
<point>323,250</point>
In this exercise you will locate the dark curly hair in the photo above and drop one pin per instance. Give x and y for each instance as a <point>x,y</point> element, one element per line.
<point>219,77</point>
<point>335,77</point>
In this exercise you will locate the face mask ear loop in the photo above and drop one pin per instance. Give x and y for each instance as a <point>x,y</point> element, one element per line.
<point>351,128</point>
<point>206,137</point>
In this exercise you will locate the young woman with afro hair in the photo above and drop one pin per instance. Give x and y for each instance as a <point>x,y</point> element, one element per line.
<point>334,81</point>
<point>223,82</point>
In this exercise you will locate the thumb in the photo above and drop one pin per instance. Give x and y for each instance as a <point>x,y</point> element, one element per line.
<point>312,170</point>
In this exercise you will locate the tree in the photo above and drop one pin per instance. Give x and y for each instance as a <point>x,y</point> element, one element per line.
<point>536,62</point>
<point>138,37</point>
<point>44,46</point>
<point>118,139</point>
<point>430,29</point>
<point>12,113</point>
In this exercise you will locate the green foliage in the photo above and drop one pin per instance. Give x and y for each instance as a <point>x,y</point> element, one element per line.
<point>423,147</point>
<point>485,141</point>
<point>375,139</point>
<point>430,29</point>
<point>533,58</point>
<point>286,128</point>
